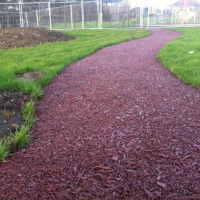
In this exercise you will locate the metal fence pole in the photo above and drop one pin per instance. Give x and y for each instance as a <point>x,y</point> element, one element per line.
<point>27,25</point>
<point>141,16</point>
<point>172,17</point>
<point>20,14</point>
<point>37,19</point>
<point>71,15</point>
<point>50,23</point>
<point>148,13</point>
<point>82,13</point>
<point>98,12</point>
<point>20,21</point>
<point>101,14</point>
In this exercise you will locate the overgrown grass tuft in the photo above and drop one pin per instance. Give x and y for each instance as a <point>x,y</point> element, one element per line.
<point>176,57</point>
<point>28,112</point>
<point>3,151</point>
<point>21,137</point>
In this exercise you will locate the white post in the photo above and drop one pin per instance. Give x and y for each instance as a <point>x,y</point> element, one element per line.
<point>141,16</point>
<point>27,25</point>
<point>71,14</point>
<point>101,15</point>
<point>82,13</point>
<point>118,5</point>
<point>49,5</point>
<point>98,12</point>
<point>21,14</point>
<point>37,19</point>
<point>148,17</point>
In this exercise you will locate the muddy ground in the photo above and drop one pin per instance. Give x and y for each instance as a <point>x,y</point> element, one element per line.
<point>11,103</point>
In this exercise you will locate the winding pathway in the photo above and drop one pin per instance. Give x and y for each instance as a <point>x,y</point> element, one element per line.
<point>115,125</point>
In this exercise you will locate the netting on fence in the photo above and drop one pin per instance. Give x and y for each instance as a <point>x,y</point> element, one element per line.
<point>9,19</point>
<point>60,15</point>
<point>16,14</point>
<point>94,14</point>
<point>119,14</point>
<point>76,16</point>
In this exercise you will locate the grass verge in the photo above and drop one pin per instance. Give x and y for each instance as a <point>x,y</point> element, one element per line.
<point>181,56</point>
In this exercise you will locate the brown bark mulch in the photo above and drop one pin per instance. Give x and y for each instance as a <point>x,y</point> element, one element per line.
<point>115,125</point>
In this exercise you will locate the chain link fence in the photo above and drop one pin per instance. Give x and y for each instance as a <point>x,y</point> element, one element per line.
<point>95,15</point>
<point>61,15</point>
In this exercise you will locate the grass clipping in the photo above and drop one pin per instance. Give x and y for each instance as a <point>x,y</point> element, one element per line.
<point>21,137</point>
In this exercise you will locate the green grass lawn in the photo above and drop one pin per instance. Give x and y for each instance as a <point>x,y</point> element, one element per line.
<point>94,24</point>
<point>176,57</point>
<point>51,58</point>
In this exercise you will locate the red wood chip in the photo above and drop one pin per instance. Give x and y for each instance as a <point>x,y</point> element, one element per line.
<point>161,184</point>
<point>150,194</point>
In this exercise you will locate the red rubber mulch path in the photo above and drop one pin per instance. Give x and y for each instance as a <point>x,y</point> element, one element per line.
<point>115,125</point>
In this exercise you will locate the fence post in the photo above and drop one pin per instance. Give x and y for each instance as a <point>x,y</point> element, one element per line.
<point>100,14</point>
<point>37,19</point>
<point>21,15</point>
<point>27,25</point>
<point>154,16</point>
<point>71,14</point>
<point>141,16</point>
<point>49,6</point>
<point>128,19</point>
<point>148,13</point>
<point>65,19</point>
<point>82,13</point>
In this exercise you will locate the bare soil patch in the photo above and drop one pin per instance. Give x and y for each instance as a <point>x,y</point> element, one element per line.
<point>10,112</point>
<point>26,37</point>
<point>31,76</point>
<point>11,103</point>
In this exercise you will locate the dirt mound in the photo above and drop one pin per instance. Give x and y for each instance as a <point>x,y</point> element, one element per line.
<point>26,37</point>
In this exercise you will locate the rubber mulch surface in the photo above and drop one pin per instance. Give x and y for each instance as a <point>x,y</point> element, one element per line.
<point>115,125</point>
